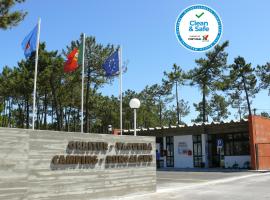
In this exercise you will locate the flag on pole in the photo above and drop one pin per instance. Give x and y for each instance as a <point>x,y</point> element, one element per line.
<point>120,90</point>
<point>72,61</point>
<point>29,44</point>
<point>111,64</point>
<point>112,67</point>
<point>81,61</point>
<point>74,58</point>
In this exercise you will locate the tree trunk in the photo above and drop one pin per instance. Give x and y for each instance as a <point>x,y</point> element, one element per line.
<point>61,116</point>
<point>74,119</point>
<point>177,102</point>
<point>52,116</point>
<point>160,112</point>
<point>45,110</point>
<point>160,115</point>
<point>204,103</point>
<point>78,119</point>
<point>4,112</point>
<point>239,111</point>
<point>247,98</point>
<point>68,119</point>
<point>9,113</point>
<point>38,112</point>
<point>27,113</point>
<point>24,112</point>
<point>20,124</point>
<point>87,121</point>
<point>58,117</point>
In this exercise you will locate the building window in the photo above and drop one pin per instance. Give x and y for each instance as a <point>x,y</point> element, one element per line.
<point>236,144</point>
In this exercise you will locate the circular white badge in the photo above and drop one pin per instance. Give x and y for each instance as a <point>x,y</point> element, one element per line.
<point>198,28</point>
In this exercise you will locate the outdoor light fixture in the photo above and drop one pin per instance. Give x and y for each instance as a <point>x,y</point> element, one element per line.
<point>110,128</point>
<point>134,104</point>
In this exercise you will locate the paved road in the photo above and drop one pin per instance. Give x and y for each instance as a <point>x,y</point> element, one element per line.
<point>176,179</point>
<point>209,185</point>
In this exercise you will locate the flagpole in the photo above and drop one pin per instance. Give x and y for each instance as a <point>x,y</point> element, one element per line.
<point>35,77</point>
<point>82,83</point>
<point>120,79</point>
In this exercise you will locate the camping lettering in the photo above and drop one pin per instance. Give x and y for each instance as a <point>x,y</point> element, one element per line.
<point>88,154</point>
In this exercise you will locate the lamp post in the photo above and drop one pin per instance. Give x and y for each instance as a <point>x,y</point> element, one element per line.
<point>110,129</point>
<point>134,104</point>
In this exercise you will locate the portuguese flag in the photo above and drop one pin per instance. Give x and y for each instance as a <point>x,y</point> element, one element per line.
<point>74,58</point>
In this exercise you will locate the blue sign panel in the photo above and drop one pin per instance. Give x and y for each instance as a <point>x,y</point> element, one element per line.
<point>220,143</point>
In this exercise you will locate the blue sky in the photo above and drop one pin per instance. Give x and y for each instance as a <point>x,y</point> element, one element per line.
<point>145,29</point>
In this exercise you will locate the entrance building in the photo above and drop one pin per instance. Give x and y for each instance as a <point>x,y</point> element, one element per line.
<point>241,144</point>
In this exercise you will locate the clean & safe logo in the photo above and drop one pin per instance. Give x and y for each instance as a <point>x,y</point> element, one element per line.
<point>198,28</point>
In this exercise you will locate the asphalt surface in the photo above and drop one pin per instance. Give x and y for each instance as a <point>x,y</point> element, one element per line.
<point>175,179</point>
<point>208,185</point>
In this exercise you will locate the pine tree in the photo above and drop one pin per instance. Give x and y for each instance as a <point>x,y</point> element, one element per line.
<point>10,18</point>
<point>95,55</point>
<point>219,108</point>
<point>242,78</point>
<point>175,78</point>
<point>263,72</point>
<point>160,95</point>
<point>208,74</point>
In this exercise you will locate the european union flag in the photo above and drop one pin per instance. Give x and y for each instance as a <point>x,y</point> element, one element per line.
<point>111,65</point>
<point>29,42</point>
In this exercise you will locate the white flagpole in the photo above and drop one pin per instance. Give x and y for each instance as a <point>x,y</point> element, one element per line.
<point>35,77</point>
<point>82,83</point>
<point>120,79</point>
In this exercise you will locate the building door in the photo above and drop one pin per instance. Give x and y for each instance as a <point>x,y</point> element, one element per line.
<point>169,151</point>
<point>197,150</point>
<point>159,152</point>
<point>220,152</point>
<point>216,151</point>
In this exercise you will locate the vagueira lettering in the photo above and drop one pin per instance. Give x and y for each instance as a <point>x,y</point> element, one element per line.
<point>133,146</point>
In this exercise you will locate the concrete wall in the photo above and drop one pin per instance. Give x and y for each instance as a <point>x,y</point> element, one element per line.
<point>27,172</point>
<point>259,131</point>
<point>14,146</point>
<point>183,151</point>
<point>240,160</point>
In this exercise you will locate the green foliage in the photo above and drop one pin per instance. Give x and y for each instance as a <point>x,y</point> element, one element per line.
<point>95,55</point>
<point>10,18</point>
<point>207,76</point>
<point>170,116</point>
<point>59,94</point>
<point>239,103</point>
<point>242,79</point>
<point>174,79</point>
<point>210,69</point>
<point>199,108</point>
<point>184,109</point>
<point>216,108</point>
<point>219,108</point>
<point>264,74</point>
<point>265,114</point>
